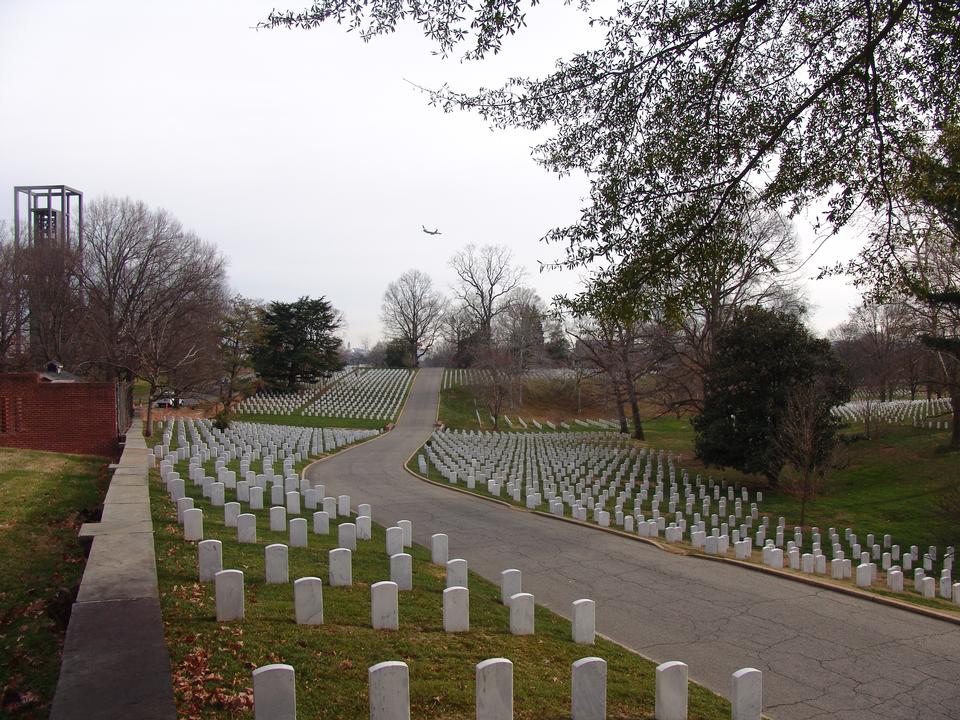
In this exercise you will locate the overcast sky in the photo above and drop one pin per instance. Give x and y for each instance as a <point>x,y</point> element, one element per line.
<point>306,157</point>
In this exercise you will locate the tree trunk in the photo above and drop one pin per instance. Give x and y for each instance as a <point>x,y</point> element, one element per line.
<point>618,396</point>
<point>149,424</point>
<point>635,411</point>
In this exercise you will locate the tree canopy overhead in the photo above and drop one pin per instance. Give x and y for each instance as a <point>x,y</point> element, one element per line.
<point>692,110</point>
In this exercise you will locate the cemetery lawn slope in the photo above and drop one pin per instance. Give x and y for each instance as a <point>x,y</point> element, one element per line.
<point>212,662</point>
<point>44,498</point>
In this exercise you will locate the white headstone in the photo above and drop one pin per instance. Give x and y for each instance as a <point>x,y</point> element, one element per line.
<point>407,528</point>
<point>389,691</point>
<point>588,699</point>
<point>521,614</point>
<point>276,564</point>
<point>495,689</point>
<point>278,519</point>
<point>584,621</point>
<point>193,525</point>
<point>438,549</point>
<point>228,591</point>
<point>401,570</point>
<point>308,601</point>
<point>746,694</point>
<point>321,523</point>
<point>457,573</point>
<point>209,559</point>
<point>456,609</point>
<point>298,532</point>
<point>340,567</point>
<point>274,693</point>
<point>394,541</point>
<point>347,536</point>
<point>384,612</point>
<point>671,691</point>
<point>509,585</point>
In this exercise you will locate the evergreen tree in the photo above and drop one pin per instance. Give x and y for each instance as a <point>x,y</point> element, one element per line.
<point>297,345</point>
<point>760,358</point>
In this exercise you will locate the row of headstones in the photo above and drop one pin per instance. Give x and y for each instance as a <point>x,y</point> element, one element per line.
<point>274,691</point>
<point>308,604</point>
<point>375,394</point>
<point>719,542</point>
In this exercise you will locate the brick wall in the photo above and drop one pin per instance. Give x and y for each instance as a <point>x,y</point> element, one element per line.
<point>78,417</point>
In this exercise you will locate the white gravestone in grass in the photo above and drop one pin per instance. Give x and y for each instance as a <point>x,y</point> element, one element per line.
<point>274,693</point>
<point>384,611</point>
<point>364,527</point>
<point>343,505</point>
<point>340,567</point>
<point>228,591</point>
<point>584,621</point>
<point>588,699</point>
<point>456,610</point>
<point>456,573</point>
<point>510,581</point>
<point>347,536</point>
<point>671,691</point>
<point>389,691</point>
<point>746,694</point>
<point>278,519</point>
<point>407,528</point>
<point>298,532</point>
<point>193,525</point>
<point>308,601</point>
<point>394,541</point>
<point>276,565</point>
<point>231,511</point>
<point>438,549</point>
<point>209,559</point>
<point>247,528</point>
<point>521,614</point>
<point>321,523</point>
<point>401,570</point>
<point>494,694</point>
<point>256,498</point>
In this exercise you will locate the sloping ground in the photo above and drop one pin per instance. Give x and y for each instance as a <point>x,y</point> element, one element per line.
<point>44,498</point>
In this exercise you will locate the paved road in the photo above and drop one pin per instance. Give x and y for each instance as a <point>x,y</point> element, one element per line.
<point>822,654</point>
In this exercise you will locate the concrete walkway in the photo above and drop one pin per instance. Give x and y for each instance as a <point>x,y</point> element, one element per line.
<point>115,663</point>
<point>823,654</point>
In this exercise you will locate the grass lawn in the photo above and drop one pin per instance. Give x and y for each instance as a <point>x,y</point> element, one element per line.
<point>458,411</point>
<point>213,661</point>
<point>44,498</point>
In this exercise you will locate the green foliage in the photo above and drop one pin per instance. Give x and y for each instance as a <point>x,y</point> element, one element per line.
<point>688,109</point>
<point>221,421</point>
<point>297,345</point>
<point>397,354</point>
<point>758,360</point>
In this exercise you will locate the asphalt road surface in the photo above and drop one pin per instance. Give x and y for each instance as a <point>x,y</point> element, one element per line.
<point>823,654</point>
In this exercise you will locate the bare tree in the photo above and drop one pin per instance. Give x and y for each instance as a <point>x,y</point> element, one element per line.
<point>413,312</point>
<point>496,380</point>
<point>616,343</point>
<point>805,440</point>
<point>239,329</point>
<point>764,250</point>
<point>12,317</point>
<point>520,326</point>
<point>155,294</point>
<point>487,277</point>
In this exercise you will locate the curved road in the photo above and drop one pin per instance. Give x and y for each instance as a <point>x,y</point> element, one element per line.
<point>823,654</point>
